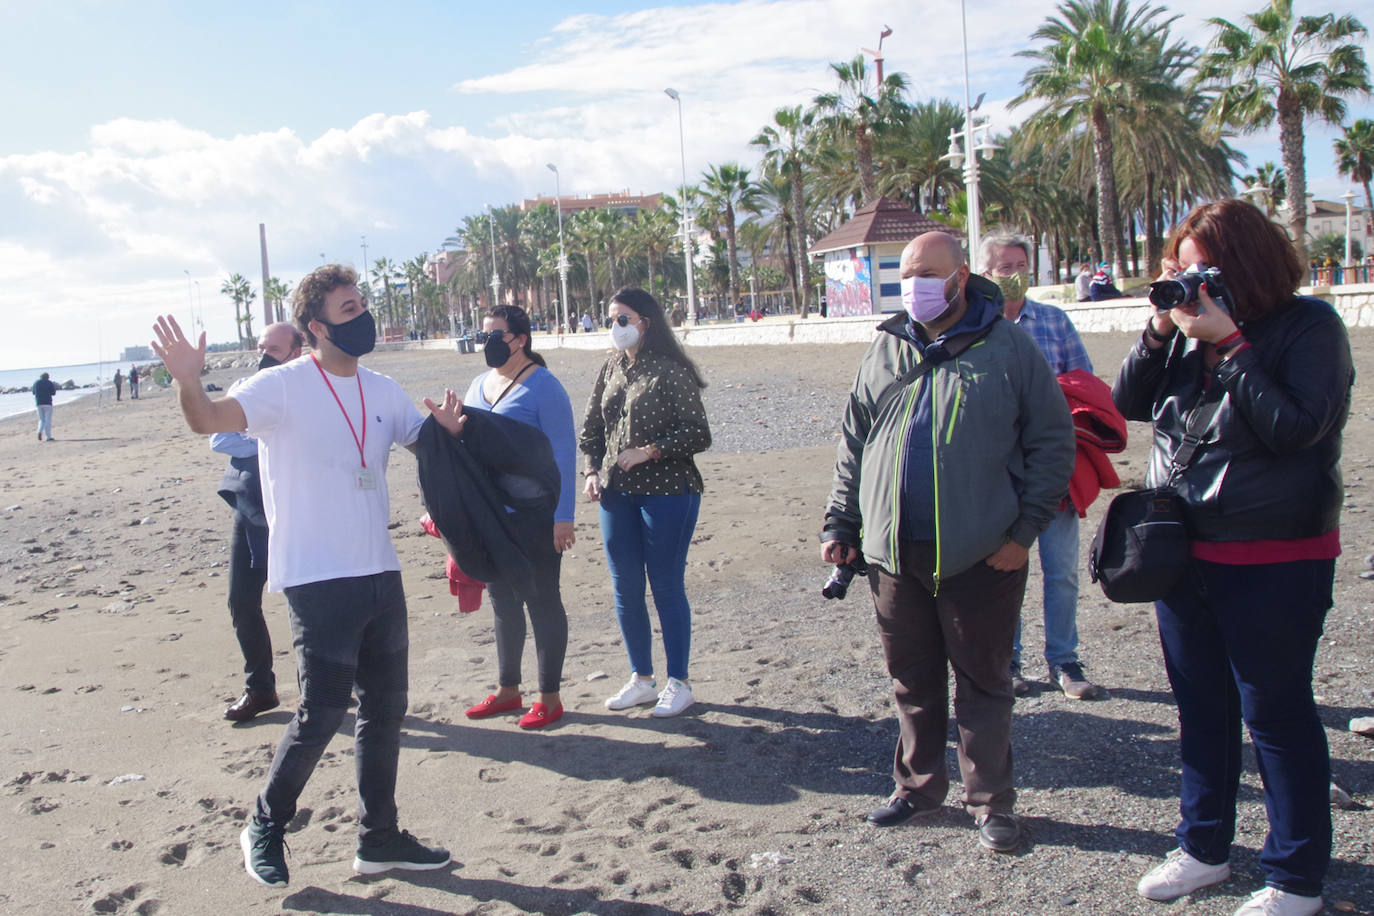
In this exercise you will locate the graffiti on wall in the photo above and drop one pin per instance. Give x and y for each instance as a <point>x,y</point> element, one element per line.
<point>848,283</point>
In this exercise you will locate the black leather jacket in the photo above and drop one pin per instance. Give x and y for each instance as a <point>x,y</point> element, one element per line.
<point>1268,467</point>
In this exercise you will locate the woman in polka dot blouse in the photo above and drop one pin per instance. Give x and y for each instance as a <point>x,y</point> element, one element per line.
<point>644,422</point>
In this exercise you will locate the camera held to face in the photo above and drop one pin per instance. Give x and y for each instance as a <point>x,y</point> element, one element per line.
<point>1183,289</point>
<point>837,586</point>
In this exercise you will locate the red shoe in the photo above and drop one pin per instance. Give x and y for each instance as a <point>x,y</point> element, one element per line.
<point>490,707</point>
<point>540,716</point>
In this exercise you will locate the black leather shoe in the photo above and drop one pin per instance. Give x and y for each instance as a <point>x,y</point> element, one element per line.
<point>250,704</point>
<point>897,811</point>
<point>999,832</point>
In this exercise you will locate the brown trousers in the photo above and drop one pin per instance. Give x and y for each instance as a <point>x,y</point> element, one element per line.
<point>968,626</point>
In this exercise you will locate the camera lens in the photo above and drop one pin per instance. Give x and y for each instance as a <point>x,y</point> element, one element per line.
<point>1168,294</point>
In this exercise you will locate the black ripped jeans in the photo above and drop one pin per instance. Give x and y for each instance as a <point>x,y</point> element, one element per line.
<point>350,634</point>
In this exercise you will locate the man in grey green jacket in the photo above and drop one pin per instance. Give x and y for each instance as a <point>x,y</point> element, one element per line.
<point>956,449</point>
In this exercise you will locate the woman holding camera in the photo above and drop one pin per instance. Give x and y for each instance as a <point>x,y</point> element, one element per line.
<point>645,415</point>
<point>1263,496</point>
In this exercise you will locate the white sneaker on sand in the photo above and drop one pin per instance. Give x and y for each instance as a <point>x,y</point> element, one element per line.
<point>676,697</point>
<point>636,692</point>
<point>1180,874</point>
<point>1273,902</point>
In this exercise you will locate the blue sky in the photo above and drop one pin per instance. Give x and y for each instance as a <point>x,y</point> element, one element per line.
<point>145,141</point>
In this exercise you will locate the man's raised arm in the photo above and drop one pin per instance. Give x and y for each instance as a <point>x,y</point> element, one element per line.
<point>185,363</point>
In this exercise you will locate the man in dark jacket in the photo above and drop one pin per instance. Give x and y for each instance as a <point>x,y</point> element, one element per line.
<point>43,390</point>
<point>943,483</point>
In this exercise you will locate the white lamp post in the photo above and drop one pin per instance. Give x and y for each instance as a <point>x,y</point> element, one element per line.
<point>562,252</point>
<point>968,155</point>
<point>200,309</point>
<point>686,215</point>
<point>1259,196</point>
<point>191,302</point>
<point>495,277</point>
<point>1348,196</point>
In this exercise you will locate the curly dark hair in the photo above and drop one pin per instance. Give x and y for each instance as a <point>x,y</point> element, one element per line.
<point>658,337</point>
<point>1257,261</point>
<point>307,302</point>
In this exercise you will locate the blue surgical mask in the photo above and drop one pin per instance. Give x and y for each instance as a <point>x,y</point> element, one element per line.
<point>924,297</point>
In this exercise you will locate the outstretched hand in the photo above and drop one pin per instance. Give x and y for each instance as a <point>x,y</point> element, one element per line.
<point>449,414</point>
<point>182,360</point>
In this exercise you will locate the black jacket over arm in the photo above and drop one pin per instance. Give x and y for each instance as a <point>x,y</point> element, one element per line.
<point>467,484</point>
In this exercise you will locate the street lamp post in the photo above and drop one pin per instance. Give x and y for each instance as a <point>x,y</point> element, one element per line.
<point>200,309</point>
<point>364,255</point>
<point>686,214</point>
<point>1348,196</point>
<point>495,277</point>
<point>562,252</point>
<point>968,156</point>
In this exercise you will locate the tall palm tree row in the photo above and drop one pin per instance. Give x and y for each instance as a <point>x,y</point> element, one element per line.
<point>1355,156</point>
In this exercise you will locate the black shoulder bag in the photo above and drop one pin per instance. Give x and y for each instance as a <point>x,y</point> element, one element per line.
<point>1141,547</point>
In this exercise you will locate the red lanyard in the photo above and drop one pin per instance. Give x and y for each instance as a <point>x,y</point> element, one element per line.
<point>356,441</point>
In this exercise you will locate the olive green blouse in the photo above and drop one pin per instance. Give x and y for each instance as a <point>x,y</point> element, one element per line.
<point>650,402</point>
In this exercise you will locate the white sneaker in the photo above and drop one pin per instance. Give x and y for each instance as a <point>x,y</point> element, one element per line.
<point>636,692</point>
<point>1273,902</point>
<point>1180,874</point>
<point>676,697</point>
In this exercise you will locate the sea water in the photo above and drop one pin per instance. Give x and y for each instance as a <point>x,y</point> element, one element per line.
<point>85,374</point>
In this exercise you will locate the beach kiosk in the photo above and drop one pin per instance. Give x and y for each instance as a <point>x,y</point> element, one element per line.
<point>861,258</point>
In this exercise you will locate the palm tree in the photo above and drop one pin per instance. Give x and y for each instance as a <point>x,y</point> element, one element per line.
<point>1270,177</point>
<point>784,144</point>
<point>384,270</point>
<point>859,110</point>
<point>1355,156</point>
<point>1287,68</point>
<point>277,293</point>
<point>914,168</point>
<point>1101,62</point>
<point>728,190</point>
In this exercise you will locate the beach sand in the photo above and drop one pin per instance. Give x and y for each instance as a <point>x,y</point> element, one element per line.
<point>125,790</point>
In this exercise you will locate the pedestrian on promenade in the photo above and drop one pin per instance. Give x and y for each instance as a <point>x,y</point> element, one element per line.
<point>118,384</point>
<point>955,452</point>
<point>241,488</point>
<point>330,552</point>
<point>1263,495</point>
<point>133,382</point>
<point>43,391</point>
<point>520,386</point>
<point>1007,258</point>
<point>643,425</point>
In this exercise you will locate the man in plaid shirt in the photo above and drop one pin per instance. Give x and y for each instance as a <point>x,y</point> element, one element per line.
<point>1007,259</point>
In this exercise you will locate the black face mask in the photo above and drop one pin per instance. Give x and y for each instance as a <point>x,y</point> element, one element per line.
<point>355,336</point>
<point>496,351</point>
<point>268,361</point>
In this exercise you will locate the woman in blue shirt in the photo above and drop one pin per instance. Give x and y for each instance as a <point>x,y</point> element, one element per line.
<point>519,386</point>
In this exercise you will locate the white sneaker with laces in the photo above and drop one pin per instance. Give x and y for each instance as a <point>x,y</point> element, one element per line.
<point>1273,902</point>
<point>636,692</point>
<point>1180,874</point>
<point>676,697</point>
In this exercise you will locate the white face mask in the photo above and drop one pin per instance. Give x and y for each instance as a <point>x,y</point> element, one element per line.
<point>624,336</point>
<point>924,297</point>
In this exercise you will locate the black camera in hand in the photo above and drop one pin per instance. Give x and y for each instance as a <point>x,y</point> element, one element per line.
<point>1183,289</point>
<point>837,586</point>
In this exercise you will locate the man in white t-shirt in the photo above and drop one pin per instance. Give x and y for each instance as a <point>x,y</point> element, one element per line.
<point>325,427</point>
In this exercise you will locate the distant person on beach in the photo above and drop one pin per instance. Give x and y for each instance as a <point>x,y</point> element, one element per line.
<point>119,384</point>
<point>1007,258</point>
<point>133,382</point>
<point>325,427</point>
<point>955,452</point>
<point>643,425</point>
<point>43,391</point>
<point>241,488</point>
<point>520,386</point>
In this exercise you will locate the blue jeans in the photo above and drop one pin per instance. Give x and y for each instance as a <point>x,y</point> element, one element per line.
<point>350,634</point>
<point>1239,644</point>
<point>45,421</point>
<point>1059,568</point>
<point>650,535</point>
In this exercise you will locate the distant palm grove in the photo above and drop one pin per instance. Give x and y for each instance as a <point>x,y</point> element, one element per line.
<point>1125,128</point>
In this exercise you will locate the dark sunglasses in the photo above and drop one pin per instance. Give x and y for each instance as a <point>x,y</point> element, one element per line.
<point>622,319</point>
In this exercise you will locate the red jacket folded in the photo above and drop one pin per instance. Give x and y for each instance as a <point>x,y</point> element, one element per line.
<point>1099,429</point>
<point>468,590</point>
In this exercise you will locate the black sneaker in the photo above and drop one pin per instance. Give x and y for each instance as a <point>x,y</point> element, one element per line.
<point>1069,677</point>
<point>264,852</point>
<point>401,851</point>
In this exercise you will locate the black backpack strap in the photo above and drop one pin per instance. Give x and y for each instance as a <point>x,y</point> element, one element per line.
<point>1198,420</point>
